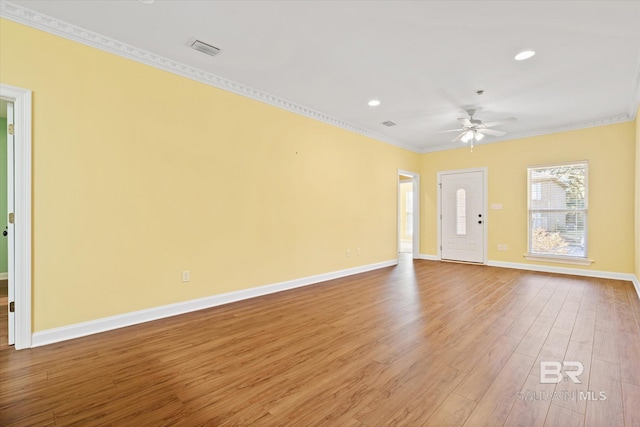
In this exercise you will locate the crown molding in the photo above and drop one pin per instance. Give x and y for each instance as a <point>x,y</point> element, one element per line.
<point>620,118</point>
<point>40,21</point>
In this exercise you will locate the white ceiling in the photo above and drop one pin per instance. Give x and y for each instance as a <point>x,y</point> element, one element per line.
<point>423,60</point>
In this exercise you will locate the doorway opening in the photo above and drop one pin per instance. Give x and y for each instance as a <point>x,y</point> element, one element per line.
<point>409,213</point>
<point>18,214</point>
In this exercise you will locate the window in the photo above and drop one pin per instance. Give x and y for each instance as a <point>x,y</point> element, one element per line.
<point>461,212</point>
<point>558,210</point>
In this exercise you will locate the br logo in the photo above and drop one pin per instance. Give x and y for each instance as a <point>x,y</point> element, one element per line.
<point>551,372</point>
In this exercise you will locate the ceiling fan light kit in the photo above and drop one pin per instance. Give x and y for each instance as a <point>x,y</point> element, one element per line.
<point>474,130</point>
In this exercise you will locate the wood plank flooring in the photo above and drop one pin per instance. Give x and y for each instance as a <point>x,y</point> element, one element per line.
<point>421,344</point>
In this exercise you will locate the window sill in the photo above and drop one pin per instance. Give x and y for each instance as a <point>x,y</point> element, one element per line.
<point>559,260</point>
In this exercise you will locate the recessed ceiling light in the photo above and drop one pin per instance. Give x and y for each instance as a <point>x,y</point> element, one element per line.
<point>374,103</point>
<point>525,54</point>
<point>146,1</point>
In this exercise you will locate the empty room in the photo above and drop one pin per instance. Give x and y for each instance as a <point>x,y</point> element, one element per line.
<point>319,213</point>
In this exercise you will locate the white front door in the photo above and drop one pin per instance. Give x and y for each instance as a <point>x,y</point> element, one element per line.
<point>462,216</point>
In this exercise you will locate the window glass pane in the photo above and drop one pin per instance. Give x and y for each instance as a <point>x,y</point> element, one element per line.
<point>560,187</point>
<point>558,210</point>
<point>461,212</point>
<point>558,233</point>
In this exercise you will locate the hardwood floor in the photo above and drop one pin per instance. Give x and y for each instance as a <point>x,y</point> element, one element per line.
<point>424,343</point>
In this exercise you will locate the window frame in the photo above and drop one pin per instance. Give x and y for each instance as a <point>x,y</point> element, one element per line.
<point>571,259</point>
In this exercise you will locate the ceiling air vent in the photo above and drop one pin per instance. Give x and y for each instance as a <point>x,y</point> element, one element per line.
<point>388,123</point>
<point>205,48</point>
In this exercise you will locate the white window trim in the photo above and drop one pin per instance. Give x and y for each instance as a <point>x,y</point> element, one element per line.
<point>561,259</point>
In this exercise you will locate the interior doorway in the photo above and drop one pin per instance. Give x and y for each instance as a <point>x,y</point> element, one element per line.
<point>408,213</point>
<point>19,149</point>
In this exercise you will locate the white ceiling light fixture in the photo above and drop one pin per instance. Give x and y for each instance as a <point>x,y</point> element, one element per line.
<point>374,103</point>
<point>147,1</point>
<point>525,54</point>
<point>468,136</point>
<point>475,130</point>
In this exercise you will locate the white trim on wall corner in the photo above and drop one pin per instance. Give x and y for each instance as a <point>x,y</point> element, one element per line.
<point>78,330</point>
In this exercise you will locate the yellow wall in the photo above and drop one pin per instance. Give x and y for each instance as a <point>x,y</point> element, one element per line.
<point>140,174</point>
<point>610,152</point>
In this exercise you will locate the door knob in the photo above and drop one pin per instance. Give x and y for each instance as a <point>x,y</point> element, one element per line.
<point>5,232</point>
<point>479,222</point>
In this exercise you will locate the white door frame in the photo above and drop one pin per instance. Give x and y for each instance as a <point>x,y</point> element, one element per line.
<point>485,198</point>
<point>21,99</point>
<point>416,212</point>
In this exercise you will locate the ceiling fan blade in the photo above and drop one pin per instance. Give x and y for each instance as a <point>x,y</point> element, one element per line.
<point>450,130</point>
<point>500,122</point>
<point>459,137</point>
<point>465,122</point>
<point>491,132</point>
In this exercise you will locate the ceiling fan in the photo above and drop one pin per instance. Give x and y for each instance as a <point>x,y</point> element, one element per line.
<point>474,129</point>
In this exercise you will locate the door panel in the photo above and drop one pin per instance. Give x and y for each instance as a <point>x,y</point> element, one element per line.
<point>462,213</point>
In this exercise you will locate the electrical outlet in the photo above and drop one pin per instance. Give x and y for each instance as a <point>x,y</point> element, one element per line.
<point>499,247</point>
<point>348,252</point>
<point>505,247</point>
<point>186,276</point>
<point>358,251</point>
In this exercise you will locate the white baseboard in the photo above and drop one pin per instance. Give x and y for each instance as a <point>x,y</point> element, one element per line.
<point>78,330</point>
<point>573,271</point>
<point>636,284</point>
<point>428,257</point>
<point>4,276</point>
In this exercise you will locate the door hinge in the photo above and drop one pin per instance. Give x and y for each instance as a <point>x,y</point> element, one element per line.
<point>12,217</point>
<point>12,307</point>
<point>10,129</point>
